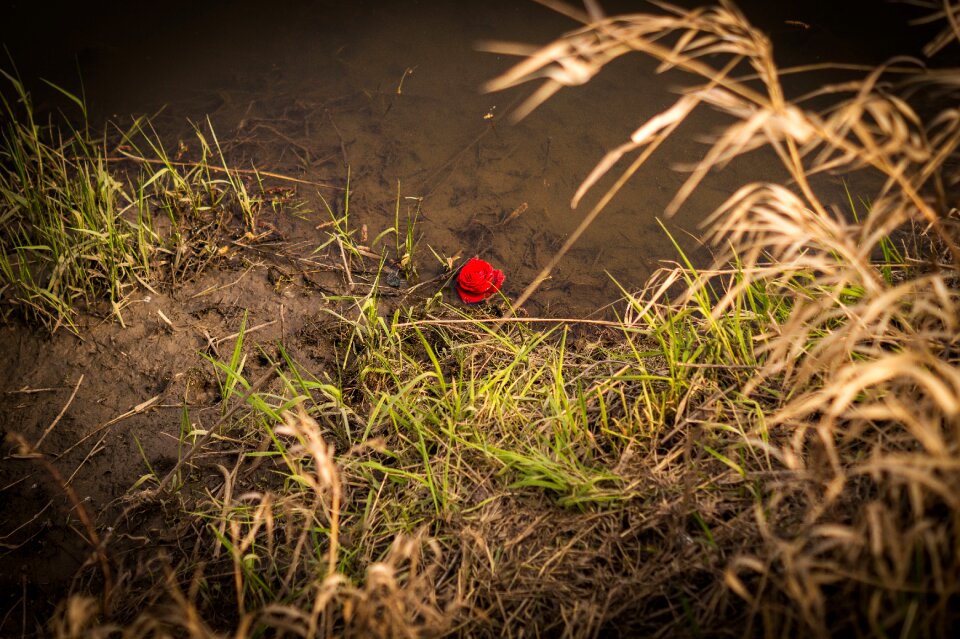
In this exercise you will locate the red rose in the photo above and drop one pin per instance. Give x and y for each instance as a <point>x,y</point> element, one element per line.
<point>478,280</point>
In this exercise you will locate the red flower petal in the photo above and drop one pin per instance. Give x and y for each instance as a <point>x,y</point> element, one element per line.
<point>497,279</point>
<point>478,280</point>
<point>474,276</point>
<point>471,298</point>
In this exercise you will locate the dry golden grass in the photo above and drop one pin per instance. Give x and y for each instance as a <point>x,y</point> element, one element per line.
<point>868,431</point>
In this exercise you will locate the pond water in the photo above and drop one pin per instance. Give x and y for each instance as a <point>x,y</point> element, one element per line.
<point>391,90</point>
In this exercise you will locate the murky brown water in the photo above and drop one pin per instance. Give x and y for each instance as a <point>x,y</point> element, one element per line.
<point>391,90</point>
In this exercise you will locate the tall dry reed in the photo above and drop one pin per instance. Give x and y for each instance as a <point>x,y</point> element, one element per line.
<point>861,525</point>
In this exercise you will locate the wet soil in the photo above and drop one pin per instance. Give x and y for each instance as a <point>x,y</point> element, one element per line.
<point>109,407</point>
<point>385,93</point>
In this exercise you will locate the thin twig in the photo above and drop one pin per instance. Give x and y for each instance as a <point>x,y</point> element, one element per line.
<point>508,320</point>
<point>211,289</point>
<point>221,340</point>
<point>276,176</point>
<point>139,408</point>
<point>23,525</point>
<point>26,390</point>
<point>93,451</point>
<point>346,266</point>
<point>60,414</point>
<point>93,538</point>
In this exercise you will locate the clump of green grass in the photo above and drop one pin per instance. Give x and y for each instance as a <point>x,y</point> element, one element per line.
<point>71,233</point>
<point>81,225</point>
<point>456,472</point>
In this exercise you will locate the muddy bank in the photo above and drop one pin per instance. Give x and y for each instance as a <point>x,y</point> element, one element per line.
<point>112,408</point>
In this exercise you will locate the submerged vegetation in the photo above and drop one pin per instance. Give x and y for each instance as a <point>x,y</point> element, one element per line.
<point>766,447</point>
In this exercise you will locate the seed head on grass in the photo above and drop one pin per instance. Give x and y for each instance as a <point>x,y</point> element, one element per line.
<point>856,368</point>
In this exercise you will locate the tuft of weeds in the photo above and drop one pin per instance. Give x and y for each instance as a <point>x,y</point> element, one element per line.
<point>80,227</point>
<point>71,231</point>
<point>406,241</point>
<point>352,243</point>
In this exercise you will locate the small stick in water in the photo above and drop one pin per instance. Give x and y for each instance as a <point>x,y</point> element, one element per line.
<point>514,214</point>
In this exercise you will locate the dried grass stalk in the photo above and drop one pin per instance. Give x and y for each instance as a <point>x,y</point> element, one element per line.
<point>868,348</point>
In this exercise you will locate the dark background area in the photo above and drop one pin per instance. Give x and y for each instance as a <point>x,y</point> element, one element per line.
<point>57,39</point>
